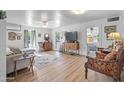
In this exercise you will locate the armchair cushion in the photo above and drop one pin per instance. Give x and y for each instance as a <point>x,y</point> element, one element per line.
<point>100,55</point>
<point>110,56</point>
<point>120,48</point>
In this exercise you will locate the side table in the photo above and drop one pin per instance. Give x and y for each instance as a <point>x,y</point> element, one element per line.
<point>16,60</point>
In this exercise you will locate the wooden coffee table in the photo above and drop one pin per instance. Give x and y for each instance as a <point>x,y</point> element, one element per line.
<point>18,59</point>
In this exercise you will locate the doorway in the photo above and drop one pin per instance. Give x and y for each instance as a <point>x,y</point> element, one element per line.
<point>93,40</point>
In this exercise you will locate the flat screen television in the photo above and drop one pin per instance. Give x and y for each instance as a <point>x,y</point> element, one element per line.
<point>71,36</point>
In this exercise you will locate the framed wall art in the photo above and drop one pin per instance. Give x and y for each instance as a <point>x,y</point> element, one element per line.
<point>19,36</point>
<point>39,35</point>
<point>11,36</point>
<point>109,29</point>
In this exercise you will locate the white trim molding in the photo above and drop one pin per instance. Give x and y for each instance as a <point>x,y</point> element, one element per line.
<point>2,50</point>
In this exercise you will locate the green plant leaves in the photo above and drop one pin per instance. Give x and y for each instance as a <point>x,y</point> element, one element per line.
<point>3,14</point>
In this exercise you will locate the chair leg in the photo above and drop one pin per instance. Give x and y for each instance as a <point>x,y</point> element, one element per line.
<point>115,79</point>
<point>86,72</point>
<point>119,79</point>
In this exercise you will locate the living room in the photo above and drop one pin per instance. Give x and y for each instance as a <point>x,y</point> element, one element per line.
<point>46,35</point>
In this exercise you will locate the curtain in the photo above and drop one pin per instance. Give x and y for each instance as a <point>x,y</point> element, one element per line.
<point>33,39</point>
<point>29,39</point>
<point>26,45</point>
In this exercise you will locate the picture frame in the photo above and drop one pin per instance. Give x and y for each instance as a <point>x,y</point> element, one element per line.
<point>11,36</point>
<point>39,35</point>
<point>19,35</point>
<point>109,29</point>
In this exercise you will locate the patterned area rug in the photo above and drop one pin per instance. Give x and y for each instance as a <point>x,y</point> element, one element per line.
<point>42,60</point>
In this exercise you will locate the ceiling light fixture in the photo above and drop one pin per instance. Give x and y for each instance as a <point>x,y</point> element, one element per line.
<point>45,24</point>
<point>78,12</point>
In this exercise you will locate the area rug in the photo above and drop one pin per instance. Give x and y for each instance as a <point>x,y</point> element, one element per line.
<point>42,60</point>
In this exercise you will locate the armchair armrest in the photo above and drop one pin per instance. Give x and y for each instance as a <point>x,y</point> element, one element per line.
<point>90,59</point>
<point>111,61</point>
<point>97,60</point>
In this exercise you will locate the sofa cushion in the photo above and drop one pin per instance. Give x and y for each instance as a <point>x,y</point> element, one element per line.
<point>28,50</point>
<point>111,56</point>
<point>15,50</point>
<point>9,52</point>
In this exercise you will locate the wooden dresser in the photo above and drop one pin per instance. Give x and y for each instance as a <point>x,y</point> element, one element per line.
<point>47,46</point>
<point>71,47</point>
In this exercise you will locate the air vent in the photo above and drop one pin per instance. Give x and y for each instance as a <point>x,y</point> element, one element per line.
<point>113,19</point>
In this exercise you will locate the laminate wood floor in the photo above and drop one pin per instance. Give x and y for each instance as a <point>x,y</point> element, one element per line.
<point>66,68</point>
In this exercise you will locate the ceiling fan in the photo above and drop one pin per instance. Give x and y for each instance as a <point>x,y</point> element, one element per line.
<point>44,23</point>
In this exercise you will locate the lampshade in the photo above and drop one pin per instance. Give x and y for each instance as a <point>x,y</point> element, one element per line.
<point>115,36</point>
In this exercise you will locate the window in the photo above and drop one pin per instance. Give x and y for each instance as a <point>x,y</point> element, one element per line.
<point>29,39</point>
<point>58,37</point>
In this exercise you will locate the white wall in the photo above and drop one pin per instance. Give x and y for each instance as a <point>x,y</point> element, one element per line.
<point>42,31</point>
<point>2,50</point>
<point>15,43</point>
<point>20,43</point>
<point>75,27</point>
<point>81,28</point>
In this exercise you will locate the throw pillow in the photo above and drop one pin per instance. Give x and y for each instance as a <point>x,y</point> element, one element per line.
<point>120,47</point>
<point>15,50</point>
<point>111,56</point>
<point>8,52</point>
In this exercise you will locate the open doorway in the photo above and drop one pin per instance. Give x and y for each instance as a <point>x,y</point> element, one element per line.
<point>93,40</point>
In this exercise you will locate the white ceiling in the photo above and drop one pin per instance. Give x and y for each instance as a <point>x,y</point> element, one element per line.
<point>56,18</point>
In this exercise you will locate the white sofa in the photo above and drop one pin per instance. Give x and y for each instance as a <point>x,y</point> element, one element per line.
<point>20,64</point>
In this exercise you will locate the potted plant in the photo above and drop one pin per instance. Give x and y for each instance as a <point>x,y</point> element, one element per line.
<point>3,14</point>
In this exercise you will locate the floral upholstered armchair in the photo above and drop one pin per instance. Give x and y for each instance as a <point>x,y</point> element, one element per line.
<point>108,64</point>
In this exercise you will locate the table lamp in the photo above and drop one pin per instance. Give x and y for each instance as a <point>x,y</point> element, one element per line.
<point>115,36</point>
